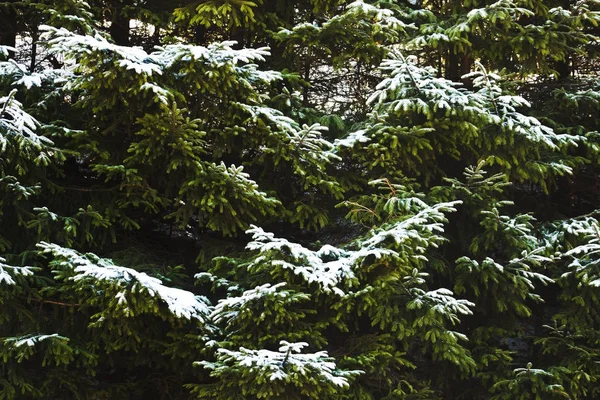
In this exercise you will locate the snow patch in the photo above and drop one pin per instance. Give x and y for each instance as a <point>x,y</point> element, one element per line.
<point>181,303</point>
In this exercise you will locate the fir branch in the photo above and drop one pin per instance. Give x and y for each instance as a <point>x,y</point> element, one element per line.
<point>8,99</point>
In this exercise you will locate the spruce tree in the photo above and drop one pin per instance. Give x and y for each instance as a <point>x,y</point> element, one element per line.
<point>309,200</point>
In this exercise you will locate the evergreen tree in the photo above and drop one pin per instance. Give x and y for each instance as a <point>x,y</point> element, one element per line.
<point>234,199</point>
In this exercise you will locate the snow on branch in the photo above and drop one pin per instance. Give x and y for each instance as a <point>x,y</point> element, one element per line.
<point>381,17</point>
<point>240,180</point>
<point>30,340</point>
<point>52,349</point>
<point>586,256</point>
<point>413,89</point>
<point>217,54</point>
<point>307,138</point>
<point>349,141</point>
<point>15,122</point>
<point>6,50</point>
<point>430,220</point>
<point>91,268</point>
<point>74,46</point>
<point>271,115</point>
<point>306,143</point>
<point>285,365</point>
<point>329,267</point>
<point>8,272</point>
<point>229,308</point>
<point>504,111</point>
<point>441,301</point>
<point>20,75</point>
<point>97,61</point>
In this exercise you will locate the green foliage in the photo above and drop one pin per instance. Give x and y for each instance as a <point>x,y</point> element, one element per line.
<point>529,383</point>
<point>525,37</point>
<point>419,119</point>
<point>229,13</point>
<point>374,284</point>
<point>105,313</point>
<point>174,178</point>
<point>298,375</point>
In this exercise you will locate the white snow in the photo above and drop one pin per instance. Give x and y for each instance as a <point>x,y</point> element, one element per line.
<point>441,301</point>
<point>331,275</point>
<point>14,120</point>
<point>359,136</point>
<point>312,266</point>
<point>73,46</point>
<point>30,81</point>
<point>585,262</point>
<point>228,309</point>
<point>5,50</point>
<point>31,340</point>
<point>276,117</point>
<point>7,272</point>
<point>162,95</point>
<point>286,364</point>
<point>429,219</point>
<point>411,89</point>
<point>181,303</point>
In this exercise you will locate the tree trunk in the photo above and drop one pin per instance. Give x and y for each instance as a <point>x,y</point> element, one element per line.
<point>452,70</point>
<point>119,24</point>
<point>465,67</point>
<point>285,11</point>
<point>34,39</point>
<point>8,28</point>
<point>563,67</point>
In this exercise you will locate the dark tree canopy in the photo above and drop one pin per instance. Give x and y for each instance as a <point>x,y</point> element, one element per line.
<point>269,199</point>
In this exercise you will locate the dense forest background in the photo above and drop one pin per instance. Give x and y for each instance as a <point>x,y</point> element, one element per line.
<point>311,199</point>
